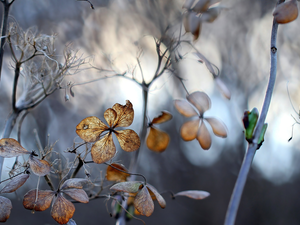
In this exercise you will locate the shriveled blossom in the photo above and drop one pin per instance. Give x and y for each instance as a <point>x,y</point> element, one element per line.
<point>196,104</point>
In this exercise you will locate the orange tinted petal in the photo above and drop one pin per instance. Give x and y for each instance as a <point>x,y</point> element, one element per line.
<point>165,116</point>
<point>185,108</point>
<point>128,139</point>
<point>218,127</point>
<point>143,202</point>
<point>43,201</point>
<point>157,140</point>
<point>200,100</point>
<point>203,137</point>
<point>189,129</point>
<point>62,210</point>
<point>104,149</point>
<point>113,174</point>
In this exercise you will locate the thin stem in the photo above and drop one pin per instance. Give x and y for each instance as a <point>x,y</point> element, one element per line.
<point>248,158</point>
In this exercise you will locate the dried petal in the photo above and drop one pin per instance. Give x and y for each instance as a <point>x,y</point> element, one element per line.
<point>43,201</point>
<point>218,127</point>
<point>200,100</point>
<point>9,147</point>
<point>5,208</point>
<point>161,201</point>
<point>15,183</point>
<point>104,149</point>
<point>194,194</point>
<point>39,167</point>
<point>157,140</point>
<point>203,137</point>
<point>110,116</point>
<point>90,128</point>
<point>201,6</point>
<point>189,129</point>
<point>125,114</point>
<point>185,108</point>
<point>129,187</point>
<point>223,88</point>
<point>211,14</point>
<point>143,202</point>
<point>164,117</point>
<point>62,210</point>
<point>128,139</point>
<point>113,174</point>
<point>74,183</point>
<point>77,194</point>
<point>286,12</point>
<point>191,22</point>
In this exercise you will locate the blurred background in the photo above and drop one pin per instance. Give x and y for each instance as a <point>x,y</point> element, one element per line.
<point>114,34</point>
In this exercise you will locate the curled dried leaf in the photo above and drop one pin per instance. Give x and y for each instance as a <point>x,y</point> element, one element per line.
<point>15,183</point>
<point>43,201</point>
<point>129,187</point>
<point>194,194</point>
<point>164,117</point>
<point>113,174</point>
<point>157,140</point>
<point>10,147</point>
<point>5,208</point>
<point>128,139</point>
<point>143,202</point>
<point>77,194</point>
<point>62,210</point>
<point>39,167</point>
<point>104,149</point>
<point>74,183</point>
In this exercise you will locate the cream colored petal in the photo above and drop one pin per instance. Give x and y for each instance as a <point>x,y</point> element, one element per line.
<point>189,129</point>
<point>203,137</point>
<point>200,100</point>
<point>218,127</point>
<point>104,149</point>
<point>185,108</point>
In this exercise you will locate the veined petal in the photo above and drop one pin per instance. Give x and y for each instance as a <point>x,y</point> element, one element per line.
<point>185,108</point>
<point>104,149</point>
<point>62,210</point>
<point>200,100</point>
<point>125,114</point>
<point>157,140</point>
<point>218,127</point>
<point>189,129</point>
<point>128,139</point>
<point>203,137</point>
<point>110,116</point>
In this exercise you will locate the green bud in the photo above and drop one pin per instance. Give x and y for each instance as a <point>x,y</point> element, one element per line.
<point>252,120</point>
<point>262,134</point>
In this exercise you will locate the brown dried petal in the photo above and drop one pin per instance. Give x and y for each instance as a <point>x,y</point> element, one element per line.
<point>161,201</point>
<point>189,129</point>
<point>201,6</point>
<point>143,202</point>
<point>15,183</point>
<point>9,147</point>
<point>43,202</point>
<point>39,167</point>
<point>200,100</point>
<point>5,208</point>
<point>110,116</point>
<point>286,12</point>
<point>113,174</point>
<point>194,194</point>
<point>218,127</point>
<point>125,114</point>
<point>185,108</point>
<point>164,117</point>
<point>62,210</point>
<point>77,194</point>
<point>128,139</point>
<point>129,186</point>
<point>203,137</point>
<point>157,140</point>
<point>74,183</point>
<point>104,149</point>
<point>90,128</point>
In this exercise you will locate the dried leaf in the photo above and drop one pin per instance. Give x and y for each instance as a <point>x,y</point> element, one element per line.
<point>218,127</point>
<point>203,137</point>
<point>113,174</point>
<point>200,100</point>
<point>125,114</point>
<point>143,202</point>
<point>77,194</point>
<point>39,167</point>
<point>189,129</point>
<point>110,116</point>
<point>157,140</point>
<point>161,201</point>
<point>15,183</point>
<point>5,208</point>
<point>128,139</point>
<point>201,6</point>
<point>286,12</point>
<point>129,187</point>
<point>62,210</point>
<point>104,149</point>
<point>164,117</point>
<point>90,128</point>
<point>74,183</point>
<point>185,108</point>
<point>9,147</point>
<point>194,194</point>
<point>43,202</point>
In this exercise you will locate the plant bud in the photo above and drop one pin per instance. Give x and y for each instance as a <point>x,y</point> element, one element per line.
<point>286,12</point>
